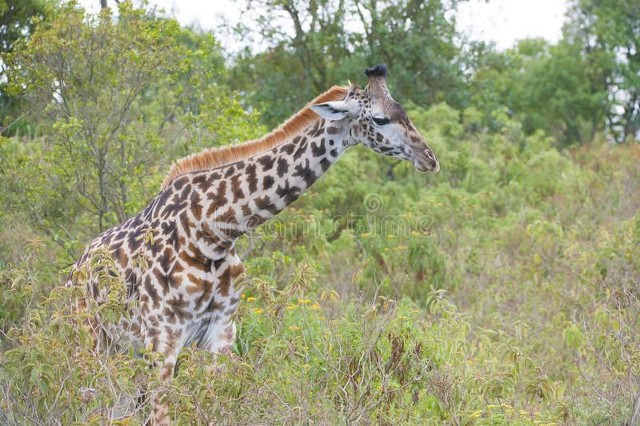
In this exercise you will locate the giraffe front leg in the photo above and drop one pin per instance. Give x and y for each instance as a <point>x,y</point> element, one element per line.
<point>165,368</point>
<point>228,279</point>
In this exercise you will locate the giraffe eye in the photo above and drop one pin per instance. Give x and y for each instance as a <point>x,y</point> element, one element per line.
<point>381,121</point>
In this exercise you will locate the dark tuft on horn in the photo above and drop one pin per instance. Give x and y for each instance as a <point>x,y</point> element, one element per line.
<point>377,71</point>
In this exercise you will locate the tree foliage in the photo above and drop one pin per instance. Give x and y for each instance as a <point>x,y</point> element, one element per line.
<point>305,47</point>
<point>551,87</point>
<point>84,82</point>
<point>17,21</point>
<point>115,100</point>
<point>612,28</point>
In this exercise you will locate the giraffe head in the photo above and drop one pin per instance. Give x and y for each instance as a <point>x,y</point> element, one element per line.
<point>377,121</point>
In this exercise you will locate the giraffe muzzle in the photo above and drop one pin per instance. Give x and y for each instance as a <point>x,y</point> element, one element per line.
<point>427,162</point>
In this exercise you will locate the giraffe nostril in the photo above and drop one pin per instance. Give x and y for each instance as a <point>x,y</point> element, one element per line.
<point>435,165</point>
<point>431,161</point>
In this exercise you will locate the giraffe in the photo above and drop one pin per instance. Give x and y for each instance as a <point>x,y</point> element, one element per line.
<point>177,256</point>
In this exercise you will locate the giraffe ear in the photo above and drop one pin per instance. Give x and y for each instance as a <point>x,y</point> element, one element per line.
<point>334,111</point>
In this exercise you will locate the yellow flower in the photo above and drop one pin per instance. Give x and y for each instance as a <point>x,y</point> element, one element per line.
<point>315,307</point>
<point>250,299</point>
<point>258,311</point>
<point>477,414</point>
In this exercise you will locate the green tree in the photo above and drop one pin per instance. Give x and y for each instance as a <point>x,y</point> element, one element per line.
<point>549,87</point>
<point>613,27</point>
<point>86,81</point>
<point>17,21</point>
<point>419,41</point>
<point>305,47</point>
<point>115,100</point>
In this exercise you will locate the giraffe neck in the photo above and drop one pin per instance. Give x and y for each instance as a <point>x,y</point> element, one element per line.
<point>240,196</point>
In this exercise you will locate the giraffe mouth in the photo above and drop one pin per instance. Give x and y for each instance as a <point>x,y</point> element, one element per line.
<point>427,163</point>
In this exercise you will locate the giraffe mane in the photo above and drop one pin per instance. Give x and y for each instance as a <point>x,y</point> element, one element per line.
<point>212,158</point>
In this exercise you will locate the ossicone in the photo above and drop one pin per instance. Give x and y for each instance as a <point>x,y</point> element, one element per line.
<point>377,71</point>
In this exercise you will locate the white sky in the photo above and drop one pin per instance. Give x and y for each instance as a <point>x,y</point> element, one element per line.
<point>501,21</point>
<point>506,21</point>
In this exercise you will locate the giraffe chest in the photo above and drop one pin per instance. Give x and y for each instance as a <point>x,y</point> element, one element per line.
<point>199,305</point>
